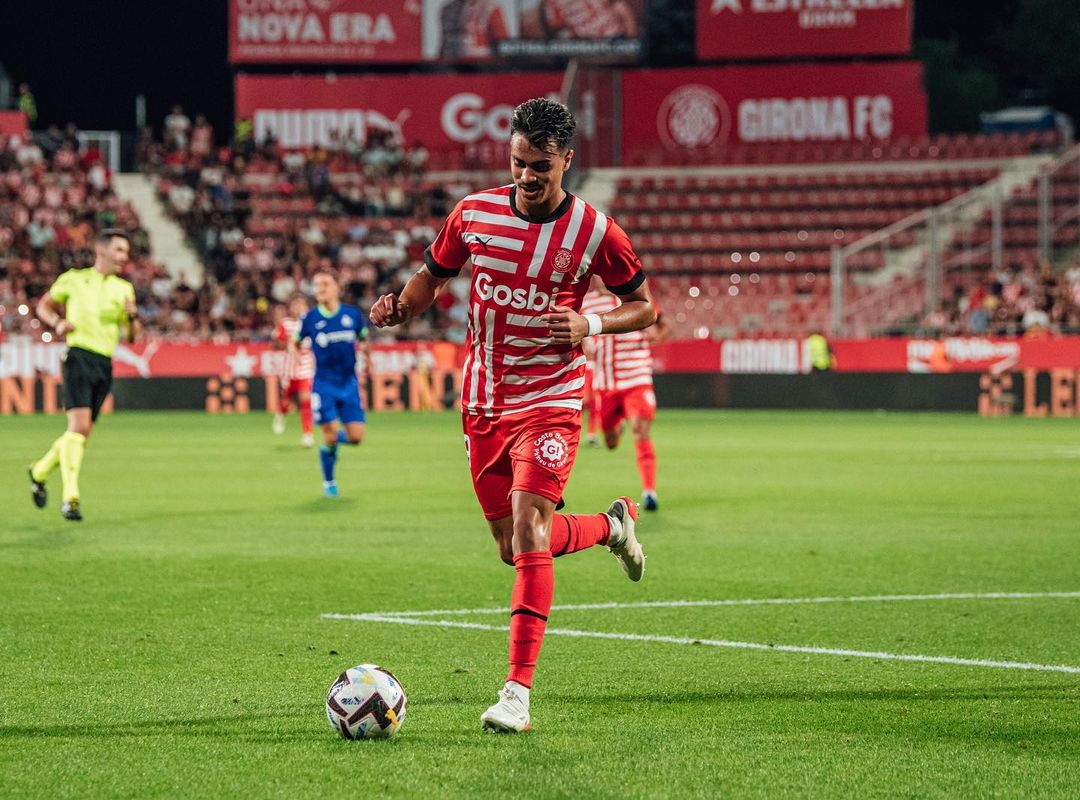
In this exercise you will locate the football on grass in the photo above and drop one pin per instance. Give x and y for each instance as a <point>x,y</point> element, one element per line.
<point>366,702</point>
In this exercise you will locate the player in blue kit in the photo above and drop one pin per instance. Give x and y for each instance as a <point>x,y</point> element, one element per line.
<point>334,329</point>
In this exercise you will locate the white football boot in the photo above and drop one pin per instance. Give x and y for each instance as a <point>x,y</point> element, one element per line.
<point>622,541</point>
<point>511,713</point>
<point>307,440</point>
<point>277,425</point>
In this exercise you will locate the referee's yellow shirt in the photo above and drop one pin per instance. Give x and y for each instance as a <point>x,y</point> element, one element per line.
<point>94,304</point>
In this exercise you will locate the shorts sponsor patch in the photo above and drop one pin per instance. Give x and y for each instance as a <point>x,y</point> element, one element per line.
<point>551,450</point>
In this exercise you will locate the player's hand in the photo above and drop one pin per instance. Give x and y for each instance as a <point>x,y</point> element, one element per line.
<point>131,309</point>
<point>565,325</point>
<point>63,327</point>
<point>388,311</point>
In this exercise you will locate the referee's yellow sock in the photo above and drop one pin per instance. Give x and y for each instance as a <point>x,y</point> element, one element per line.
<point>72,447</point>
<point>47,463</point>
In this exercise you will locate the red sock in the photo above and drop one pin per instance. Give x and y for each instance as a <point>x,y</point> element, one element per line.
<point>305,415</point>
<point>594,416</point>
<point>573,532</point>
<point>530,604</point>
<point>646,464</point>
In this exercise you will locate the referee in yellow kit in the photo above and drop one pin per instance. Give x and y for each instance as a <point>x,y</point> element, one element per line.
<point>91,307</point>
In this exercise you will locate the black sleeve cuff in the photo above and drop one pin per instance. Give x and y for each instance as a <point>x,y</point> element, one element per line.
<point>435,269</point>
<point>630,285</point>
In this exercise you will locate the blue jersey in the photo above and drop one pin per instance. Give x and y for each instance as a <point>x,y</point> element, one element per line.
<point>333,342</point>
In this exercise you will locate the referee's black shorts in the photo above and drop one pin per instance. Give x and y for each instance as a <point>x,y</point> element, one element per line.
<point>87,380</point>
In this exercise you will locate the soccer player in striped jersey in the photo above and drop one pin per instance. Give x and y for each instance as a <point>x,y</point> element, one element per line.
<point>533,248</point>
<point>622,381</point>
<point>297,372</point>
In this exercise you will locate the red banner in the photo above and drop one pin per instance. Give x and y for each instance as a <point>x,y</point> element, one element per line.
<point>157,359</point>
<point>786,28</point>
<point>12,123</point>
<point>447,113</point>
<point>704,110</point>
<point>324,31</point>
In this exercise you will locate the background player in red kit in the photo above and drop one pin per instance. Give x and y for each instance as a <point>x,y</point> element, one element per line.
<point>533,248</point>
<point>297,372</point>
<point>623,387</point>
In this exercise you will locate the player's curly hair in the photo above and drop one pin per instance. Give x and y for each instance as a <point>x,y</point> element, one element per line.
<point>543,122</point>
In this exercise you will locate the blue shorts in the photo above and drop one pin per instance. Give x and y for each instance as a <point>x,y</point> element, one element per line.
<point>331,402</point>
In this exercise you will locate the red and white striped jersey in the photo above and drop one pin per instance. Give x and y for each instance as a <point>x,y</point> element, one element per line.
<point>622,360</point>
<point>300,366</point>
<point>521,268</point>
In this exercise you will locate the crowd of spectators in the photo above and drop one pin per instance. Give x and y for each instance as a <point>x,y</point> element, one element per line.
<point>1030,300</point>
<point>54,196</point>
<point>263,220</point>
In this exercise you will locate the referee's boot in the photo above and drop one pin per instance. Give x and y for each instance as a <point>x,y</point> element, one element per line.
<point>70,510</point>
<point>38,490</point>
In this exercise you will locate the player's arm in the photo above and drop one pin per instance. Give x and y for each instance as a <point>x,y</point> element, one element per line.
<point>131,325</point>
<point>442,261</point>
<point>416,298</point>
<point>51,312</point>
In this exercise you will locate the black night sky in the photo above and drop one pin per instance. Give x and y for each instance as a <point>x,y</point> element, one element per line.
<point>87,61</point>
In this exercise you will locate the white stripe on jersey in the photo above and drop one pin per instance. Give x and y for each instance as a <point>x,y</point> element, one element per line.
<point>574,404</point>
<point>533,360</point>
<point>489,262</point>
<point>598,231</point>
<point>525,321</point>
<point>559,388</point>
<point>489,352</point>
<point>487,218</point>
<point>541,250</point>
<point>518,380</point>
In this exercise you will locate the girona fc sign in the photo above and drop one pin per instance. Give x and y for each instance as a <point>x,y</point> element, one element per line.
<point>693,116</point>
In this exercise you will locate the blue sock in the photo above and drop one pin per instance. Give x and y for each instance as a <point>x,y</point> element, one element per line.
<point>327,458</point>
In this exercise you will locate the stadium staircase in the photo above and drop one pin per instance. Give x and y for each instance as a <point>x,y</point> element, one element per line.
<point>168,243</point>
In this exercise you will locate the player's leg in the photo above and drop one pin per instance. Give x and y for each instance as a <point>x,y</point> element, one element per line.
<point>303,396</point>
<point>641,410</point>
<point>591,405</point>
<point>277,425</point>
<point>612,417</point>
<point>324,407</point>
<point>352,415</point>
<point>72,449</point>
<point>530,604</point>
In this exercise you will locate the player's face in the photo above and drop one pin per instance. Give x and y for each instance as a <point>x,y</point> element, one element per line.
<point>538,172</point>
<point>115,253</point>
<point>326,289</point>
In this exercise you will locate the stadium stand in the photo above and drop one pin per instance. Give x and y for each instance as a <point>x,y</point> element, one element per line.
<point>53,198</point>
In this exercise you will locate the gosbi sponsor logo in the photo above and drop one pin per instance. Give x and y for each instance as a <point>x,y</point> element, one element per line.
<point>308,22</point>
<point>693,116</point>
<point>551,450</point>
<point>811,14</point>
<point>532,299</point>
<point>466,118</point>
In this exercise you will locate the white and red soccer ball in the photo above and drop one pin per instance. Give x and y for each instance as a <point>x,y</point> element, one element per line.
<point>366,702</point>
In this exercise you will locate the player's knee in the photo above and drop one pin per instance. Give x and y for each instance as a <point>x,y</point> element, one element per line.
<point>529,533</point>
<point>640,429</point>
<point>611,439</point>
<point>506,553</point>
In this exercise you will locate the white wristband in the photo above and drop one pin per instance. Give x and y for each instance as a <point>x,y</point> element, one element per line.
<point>596,325</point>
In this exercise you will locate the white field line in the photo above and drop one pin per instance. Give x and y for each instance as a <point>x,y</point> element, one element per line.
<point>422,618</point>
<point>783,648</point>
<point>773,601</point>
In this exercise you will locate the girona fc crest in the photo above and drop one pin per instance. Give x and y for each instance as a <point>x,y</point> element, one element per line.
<point>693,116</point>
<point>551,450</point>
<point>562,260</point>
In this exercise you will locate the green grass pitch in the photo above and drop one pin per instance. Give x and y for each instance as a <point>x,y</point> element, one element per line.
<point>173,644</point>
